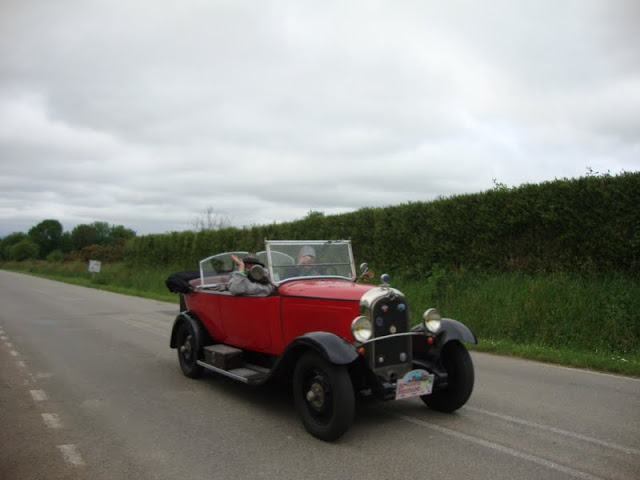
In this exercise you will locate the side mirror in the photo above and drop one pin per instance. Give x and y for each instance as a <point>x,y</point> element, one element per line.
<point>365,274</point>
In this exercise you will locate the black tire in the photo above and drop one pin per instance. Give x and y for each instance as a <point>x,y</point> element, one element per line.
<point>457,362</point>
<point>323,395</point>
<point>189,351</point>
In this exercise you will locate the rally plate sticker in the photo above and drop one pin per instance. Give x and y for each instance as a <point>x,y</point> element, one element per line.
<point>414,383</point>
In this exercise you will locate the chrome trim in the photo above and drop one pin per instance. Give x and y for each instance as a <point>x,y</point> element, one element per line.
<point>405,334</point>
<point>372,296</point>
<point>315,277</point>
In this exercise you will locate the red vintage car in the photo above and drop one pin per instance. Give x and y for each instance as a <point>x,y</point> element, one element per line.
<point>333,337</point>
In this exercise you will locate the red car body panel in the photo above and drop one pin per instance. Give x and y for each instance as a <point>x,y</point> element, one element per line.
<point>320,305</point>
<point>268,324</point>
<point>327,289</point>
<point>252,323</point>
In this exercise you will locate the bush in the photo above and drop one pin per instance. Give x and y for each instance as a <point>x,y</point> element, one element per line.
<point>55,257</point>
<point>23,250</point>
<point>587,225</point>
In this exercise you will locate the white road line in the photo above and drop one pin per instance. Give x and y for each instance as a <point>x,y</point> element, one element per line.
<point>52,420</point>
<point>613,446</point>
<point>594,372</point>
<point>71,455</point>
<point>14,353</point>
<point>39,395</point>
<point>500,448</point>
<point>9,344</point>
<point>4,338</point>
<point>21,364</point>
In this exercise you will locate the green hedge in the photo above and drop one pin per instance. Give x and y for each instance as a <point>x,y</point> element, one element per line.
<point>585,225</point>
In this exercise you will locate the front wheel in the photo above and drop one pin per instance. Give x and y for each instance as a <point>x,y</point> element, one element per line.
<point>323,395</point>
<point>457,362</point>
<point>188,351</point>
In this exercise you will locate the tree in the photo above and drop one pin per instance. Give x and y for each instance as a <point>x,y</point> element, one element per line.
<point>119,235</point>
<point>47,235</point>
<point>103,232</point>
<point>66,242</point>
<point>210,219</point>
<point>9,241</point>
<point>84,235</point>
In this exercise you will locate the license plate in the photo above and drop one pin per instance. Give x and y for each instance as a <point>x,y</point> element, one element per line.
<point>414,383</point>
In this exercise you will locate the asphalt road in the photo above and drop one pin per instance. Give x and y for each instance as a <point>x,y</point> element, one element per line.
<point>90,389</point>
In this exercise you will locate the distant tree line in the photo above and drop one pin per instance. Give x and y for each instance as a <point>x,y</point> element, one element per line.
<point>48,241</point>
<point>585,225</point>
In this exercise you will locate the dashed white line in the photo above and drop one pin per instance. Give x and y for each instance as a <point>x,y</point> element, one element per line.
<point>613,446</point>
<point>71,455</point>
<point>500,448</point>
<point>38,395</point>
<point>70,452</point>
<point>52,420</point>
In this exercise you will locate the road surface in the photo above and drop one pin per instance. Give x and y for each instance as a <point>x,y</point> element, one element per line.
<point>91,390</point>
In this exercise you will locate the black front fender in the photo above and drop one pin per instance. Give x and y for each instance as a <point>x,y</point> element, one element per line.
<point>330,346</point>
<point>450,329</point>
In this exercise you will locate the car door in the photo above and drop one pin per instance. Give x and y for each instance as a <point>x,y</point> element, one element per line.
<point>252,323</point>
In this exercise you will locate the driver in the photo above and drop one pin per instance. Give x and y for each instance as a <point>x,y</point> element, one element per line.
<point>305,264</point>
<point>242,282</point>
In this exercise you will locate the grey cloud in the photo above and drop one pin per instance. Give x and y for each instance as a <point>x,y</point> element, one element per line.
<point>145,113</point>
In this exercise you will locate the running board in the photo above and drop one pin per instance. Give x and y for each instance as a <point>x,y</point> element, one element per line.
<point>244,374</point>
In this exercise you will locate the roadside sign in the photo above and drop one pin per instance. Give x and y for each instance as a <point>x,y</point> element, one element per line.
<point>94,266</point>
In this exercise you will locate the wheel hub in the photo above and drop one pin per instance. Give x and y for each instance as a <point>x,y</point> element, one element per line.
<point>315,395</point>
<point>186,347</point>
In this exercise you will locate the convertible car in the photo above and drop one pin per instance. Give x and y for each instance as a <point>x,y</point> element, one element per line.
<point>334,337</point>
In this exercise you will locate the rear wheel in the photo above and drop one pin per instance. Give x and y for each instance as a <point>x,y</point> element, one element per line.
<point>457,362</point>
<point>323,396</point>
<point>188,351</point>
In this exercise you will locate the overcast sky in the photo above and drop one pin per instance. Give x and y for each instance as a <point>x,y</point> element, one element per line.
<point>146,113</point>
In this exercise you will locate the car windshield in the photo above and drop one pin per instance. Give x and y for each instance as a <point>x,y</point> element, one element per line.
<point>212,268</point>
<point>304,259</point>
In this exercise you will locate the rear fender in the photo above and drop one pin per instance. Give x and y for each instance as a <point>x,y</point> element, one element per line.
<point>192,320</point>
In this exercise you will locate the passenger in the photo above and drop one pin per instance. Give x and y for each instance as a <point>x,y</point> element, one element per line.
<point>305,264</point>
<point>242,282</point>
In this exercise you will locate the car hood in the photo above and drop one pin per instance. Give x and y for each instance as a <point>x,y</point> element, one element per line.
<point>325,289</point>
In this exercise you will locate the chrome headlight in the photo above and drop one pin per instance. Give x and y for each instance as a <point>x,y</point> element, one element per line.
<point>431,320</point>
<point>361,329</point>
